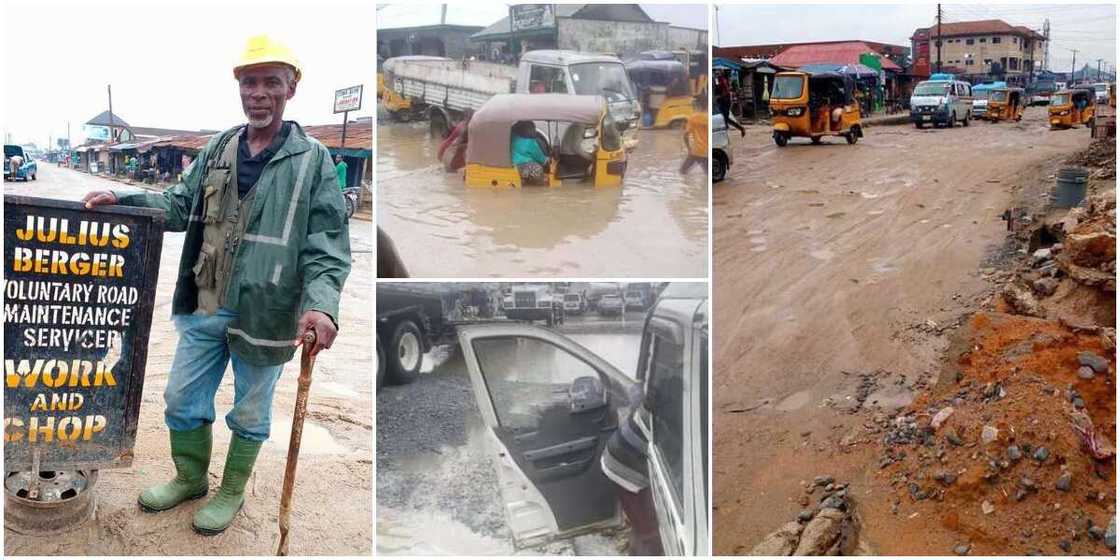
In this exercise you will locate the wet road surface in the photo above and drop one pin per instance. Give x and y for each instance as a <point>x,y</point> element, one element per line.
<point>335,455</point>
<point>825,258</point>
<point>432,463</point>
<point>654,226</point>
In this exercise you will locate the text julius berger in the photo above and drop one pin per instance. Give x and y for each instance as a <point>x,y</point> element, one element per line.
<point>78,294</point>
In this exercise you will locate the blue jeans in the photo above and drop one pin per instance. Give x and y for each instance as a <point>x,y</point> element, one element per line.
<point>199,365</point>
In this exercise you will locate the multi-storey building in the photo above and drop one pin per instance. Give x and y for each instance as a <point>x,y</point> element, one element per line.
<point>979,49</point>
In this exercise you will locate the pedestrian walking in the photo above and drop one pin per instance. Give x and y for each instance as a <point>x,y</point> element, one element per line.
<point>723,101</point>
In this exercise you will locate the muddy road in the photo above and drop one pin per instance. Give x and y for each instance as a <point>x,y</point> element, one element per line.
<point>656,225</point>
<point>332,503</point>
<point>839,268</point>
<point>433,469</point>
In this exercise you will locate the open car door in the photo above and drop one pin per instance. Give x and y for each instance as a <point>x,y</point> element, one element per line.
<point>550,405</point>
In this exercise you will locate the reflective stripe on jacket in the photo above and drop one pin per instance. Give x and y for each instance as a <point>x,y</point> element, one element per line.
<point>294,257</point>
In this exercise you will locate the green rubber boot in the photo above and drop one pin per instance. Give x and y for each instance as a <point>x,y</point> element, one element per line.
<point>219,512</point>
<point>190,451</point>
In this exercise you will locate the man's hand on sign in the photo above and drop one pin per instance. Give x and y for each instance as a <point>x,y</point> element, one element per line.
<point>323,327</point>
<point>99,198</point>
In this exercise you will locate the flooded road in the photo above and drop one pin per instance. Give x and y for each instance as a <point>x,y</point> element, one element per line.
<point>433,468</point>
<point>655,225</point>
<point>829,261</point>
<point>335,454</point>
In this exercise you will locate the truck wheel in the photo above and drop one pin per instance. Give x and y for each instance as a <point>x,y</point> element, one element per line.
<point>438,126</point>
<point>780,139</point>
<point>719,167</point>
<point>405,353</point>
<point>380,364</point>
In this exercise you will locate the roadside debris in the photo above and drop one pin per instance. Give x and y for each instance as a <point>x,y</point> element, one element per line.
<point>832,528</point>
<point>1014,447</point>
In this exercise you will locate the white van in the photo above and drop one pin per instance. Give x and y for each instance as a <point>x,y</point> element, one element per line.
<point>944,102</point>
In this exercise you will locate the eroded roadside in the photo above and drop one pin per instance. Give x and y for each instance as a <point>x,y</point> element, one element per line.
<point>881,268</point>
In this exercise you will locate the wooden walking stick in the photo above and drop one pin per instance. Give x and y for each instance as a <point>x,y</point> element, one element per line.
<point>306,362</point>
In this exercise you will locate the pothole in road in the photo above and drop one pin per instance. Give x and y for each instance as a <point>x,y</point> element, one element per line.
<point>316,440</point>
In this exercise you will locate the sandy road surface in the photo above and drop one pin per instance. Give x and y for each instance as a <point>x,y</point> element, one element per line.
<point>333,498</point>
<point>826,258</point>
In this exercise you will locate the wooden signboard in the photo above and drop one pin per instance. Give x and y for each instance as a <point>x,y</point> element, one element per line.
<point>79,287</point>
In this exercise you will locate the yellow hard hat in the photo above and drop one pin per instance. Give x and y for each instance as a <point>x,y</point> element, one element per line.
<point>261,49</point>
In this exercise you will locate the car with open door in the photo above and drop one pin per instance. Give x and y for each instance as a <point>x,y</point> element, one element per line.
<point>662,449</point>
<point>575,441</point>
<point>550,406</point>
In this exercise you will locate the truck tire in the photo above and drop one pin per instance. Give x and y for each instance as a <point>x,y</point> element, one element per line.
<point>719,167</point>
<point>380,364</point>
<point>438,126</point>
<point>405,353</point>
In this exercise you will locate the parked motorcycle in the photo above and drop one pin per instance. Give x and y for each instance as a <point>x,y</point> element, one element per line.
<point>351,196</point>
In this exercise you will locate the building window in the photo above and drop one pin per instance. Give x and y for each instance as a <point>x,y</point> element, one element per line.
<point>995,40</point>
<point>969,62</point>
<point>983,39</point>
<point>1014,40</point>
<point>1013,64</point>
<point>969,41</point>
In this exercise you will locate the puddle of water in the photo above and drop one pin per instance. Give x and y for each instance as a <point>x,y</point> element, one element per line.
<point>882,266</point>
<point>654,225</point>
<point>316,439</point>
<point>336,389</point>
<point>793,402</point>
<point>430,533</point>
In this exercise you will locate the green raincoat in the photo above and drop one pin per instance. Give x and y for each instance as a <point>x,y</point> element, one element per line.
<point>295,254</point>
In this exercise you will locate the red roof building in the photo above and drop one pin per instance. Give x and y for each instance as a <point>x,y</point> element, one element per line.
<point>847,52</point>
<point>886,50</point>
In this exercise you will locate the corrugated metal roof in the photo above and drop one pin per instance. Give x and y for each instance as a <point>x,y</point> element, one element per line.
<point>359,136</point>
<point>103,120</point>
<point>834,53</point>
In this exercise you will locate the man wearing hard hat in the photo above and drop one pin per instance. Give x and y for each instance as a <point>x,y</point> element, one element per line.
<point>266,252</point>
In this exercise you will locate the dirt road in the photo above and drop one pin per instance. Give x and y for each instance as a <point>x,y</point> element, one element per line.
<point>655,225</point>
<point>433,468</point>
<point>836,265</point>
<point>333,496</point>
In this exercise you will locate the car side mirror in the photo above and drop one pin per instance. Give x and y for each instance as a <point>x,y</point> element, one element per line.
<point>586,394</point>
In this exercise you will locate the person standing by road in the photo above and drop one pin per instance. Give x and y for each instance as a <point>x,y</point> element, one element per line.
<point>723,100</point>
<point>266,253</point>
<point>340,170</point>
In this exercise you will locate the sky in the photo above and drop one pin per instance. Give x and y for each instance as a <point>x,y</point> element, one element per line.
<point>1089,28</point>
<point>171,62</point>
<point>486,12</point>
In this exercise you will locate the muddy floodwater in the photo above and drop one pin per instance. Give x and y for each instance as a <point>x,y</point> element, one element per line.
<point>656,224</point>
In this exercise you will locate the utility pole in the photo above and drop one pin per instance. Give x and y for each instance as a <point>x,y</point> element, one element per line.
<point>1046,48</point>
<point>939,38</point>
<point>1072,65</point>
<point>110,86</point>
<point>717,27</point>
<point>1099,69</point>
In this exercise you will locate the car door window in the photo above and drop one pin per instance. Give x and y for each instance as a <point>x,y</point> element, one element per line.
<point>546,79</point>
<point>666,399</point>
<point>530,379</point>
